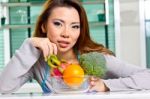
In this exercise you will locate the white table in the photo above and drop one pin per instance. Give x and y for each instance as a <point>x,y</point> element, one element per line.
<point>145,94</point>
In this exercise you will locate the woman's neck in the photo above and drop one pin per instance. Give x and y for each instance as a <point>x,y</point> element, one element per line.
<point>69,56</point>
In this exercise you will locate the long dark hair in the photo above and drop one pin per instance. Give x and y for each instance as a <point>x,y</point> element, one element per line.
<point>84,44</point>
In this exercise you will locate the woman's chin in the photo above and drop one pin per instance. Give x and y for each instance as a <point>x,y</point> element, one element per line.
<point>63,50</point>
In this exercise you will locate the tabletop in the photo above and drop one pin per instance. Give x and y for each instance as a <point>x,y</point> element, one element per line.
<point>143,94</point>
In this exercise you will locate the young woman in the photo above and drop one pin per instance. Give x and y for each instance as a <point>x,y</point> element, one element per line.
<point>62,29</point>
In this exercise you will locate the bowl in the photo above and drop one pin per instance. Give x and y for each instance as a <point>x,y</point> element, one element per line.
<point>60,86</point>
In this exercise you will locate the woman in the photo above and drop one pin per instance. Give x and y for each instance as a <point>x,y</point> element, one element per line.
<point>62,29</point>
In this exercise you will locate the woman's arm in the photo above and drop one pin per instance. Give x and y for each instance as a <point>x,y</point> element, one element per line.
<point>121,76</point>
<point>127,76</point>
<point>19,68</point>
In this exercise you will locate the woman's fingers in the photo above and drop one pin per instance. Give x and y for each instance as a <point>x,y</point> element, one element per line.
<point>54,48</point>
<point>45,46</point>
<point>97,84</point>
<point>92,86</point>
<point>93,82</point>
<point>50,49</point>
<point>45,50</point>
<point>93,78</point>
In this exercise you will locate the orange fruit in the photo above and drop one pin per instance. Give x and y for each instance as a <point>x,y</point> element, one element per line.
<point>73,75</point>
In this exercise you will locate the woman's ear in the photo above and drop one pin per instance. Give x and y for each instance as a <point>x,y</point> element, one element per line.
<point>43,28</point>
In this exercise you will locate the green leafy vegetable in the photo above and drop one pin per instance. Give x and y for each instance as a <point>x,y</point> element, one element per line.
<point>93,63</point>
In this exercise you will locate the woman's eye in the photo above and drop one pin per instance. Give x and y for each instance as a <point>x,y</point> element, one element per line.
<point>57,23</point>
<point>76,27</point>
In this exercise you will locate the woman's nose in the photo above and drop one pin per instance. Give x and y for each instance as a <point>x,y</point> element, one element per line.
<point>65,33</point>
<point>65,36</point>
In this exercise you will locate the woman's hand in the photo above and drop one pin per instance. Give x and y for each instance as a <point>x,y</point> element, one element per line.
<point>45,46</point>
<point>97,84</point>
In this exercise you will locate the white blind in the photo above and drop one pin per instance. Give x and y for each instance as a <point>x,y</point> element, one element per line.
<point>1,50</point>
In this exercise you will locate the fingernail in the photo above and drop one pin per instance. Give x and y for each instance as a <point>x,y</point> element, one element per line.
<point>48,57</point>
<point>45,59</point>
<point>92,83</point>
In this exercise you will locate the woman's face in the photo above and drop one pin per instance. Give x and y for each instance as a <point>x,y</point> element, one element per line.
<point>63,27</point>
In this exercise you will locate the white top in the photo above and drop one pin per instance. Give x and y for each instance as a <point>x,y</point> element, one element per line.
<point>28,63</point>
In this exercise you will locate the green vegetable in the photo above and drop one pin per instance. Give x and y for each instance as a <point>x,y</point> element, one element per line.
<point>53,61</point>
<point>57,66</point>
<point>93,63</point>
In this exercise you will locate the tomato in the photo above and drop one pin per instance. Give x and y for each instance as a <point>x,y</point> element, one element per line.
<point>73,75</point>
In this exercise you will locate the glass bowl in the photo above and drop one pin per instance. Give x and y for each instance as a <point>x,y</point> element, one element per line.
<point>59,85</point>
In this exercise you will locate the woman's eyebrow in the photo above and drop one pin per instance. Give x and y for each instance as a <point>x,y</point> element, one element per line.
<point>75,23</point>
<point>64,21</point>
<point>59,20</point>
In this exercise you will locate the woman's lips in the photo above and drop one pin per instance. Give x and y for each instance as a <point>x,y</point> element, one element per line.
<point>63,44</point>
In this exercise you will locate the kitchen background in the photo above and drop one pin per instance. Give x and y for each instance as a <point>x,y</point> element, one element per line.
<point>123,26</point>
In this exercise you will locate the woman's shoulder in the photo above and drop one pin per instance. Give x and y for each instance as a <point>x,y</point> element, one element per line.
<point>27,41</point>
<point>110,59</point>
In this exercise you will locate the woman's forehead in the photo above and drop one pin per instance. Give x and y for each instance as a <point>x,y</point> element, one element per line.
<point>68,13</point>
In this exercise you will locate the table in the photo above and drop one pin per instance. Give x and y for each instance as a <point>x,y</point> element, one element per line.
<point>144,94</point>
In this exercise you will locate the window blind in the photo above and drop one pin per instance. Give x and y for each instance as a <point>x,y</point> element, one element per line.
<point>148,43</point>
<point>17,36</point>
<point>147,29</point>
<point>1,50</point>
<point>98,31</point>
